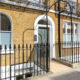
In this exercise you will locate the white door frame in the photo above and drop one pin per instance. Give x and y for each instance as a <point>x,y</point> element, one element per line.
<point>52,33</point>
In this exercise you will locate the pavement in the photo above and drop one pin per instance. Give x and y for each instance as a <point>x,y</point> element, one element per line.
<point>73,74</point>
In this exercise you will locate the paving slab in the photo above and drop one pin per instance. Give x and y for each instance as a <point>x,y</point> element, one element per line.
<point>73,75</point>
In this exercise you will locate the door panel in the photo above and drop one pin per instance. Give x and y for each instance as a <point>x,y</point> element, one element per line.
<point>42,35</point>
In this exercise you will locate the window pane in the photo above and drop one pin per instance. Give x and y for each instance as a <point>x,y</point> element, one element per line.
<point>68,37</point>
<point>64,37</point>
<point>64,30</point>
<point>68,31</point>
<point>42,35</point>
<point>69,24</point>
<point>75,37</point>
<point>43,22</point>
<point>5,39</point>
<point>75,28</point>
<point>76,31</point>
<point>5,23</point>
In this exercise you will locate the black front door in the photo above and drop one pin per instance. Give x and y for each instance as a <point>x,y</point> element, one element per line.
<point>42,41</point>
<point>41,47</point>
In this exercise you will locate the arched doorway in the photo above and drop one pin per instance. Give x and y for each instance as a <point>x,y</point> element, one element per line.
<point>40,32</point>
<point>5,30</point>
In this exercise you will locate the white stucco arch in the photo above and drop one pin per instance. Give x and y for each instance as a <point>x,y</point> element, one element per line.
<point>52,33</point>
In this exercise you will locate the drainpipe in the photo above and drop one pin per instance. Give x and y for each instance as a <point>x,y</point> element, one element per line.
<point>47,52</point>
<point>59,42</point>
<point>71,31</point>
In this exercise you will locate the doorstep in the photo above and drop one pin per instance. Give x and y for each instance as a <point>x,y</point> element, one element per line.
<point>63,62</point>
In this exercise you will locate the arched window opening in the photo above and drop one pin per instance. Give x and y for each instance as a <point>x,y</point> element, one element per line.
<point>5,30</point>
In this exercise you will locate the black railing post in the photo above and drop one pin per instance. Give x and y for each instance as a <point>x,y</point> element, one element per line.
<point>71,31</point>
<point>40,58</point>
<point>66,51</point>
<point>78,52</point>
<point>48,57</point>
<point>14,60</point>
<point>45,57</point>
<point>37,58</point>
<point>19,57</point>
<point>74,51</point>
<point>26,56</point>
<point>34,58</point>
<point>47,53</point>
<point>10,60</point>
<point>23,59</point>
<point>5,61</point>
<point>30,58</point>
<point>0,60</point>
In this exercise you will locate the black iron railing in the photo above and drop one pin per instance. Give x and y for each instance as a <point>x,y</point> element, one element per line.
<point>23,61</point>
<point>70,52</point>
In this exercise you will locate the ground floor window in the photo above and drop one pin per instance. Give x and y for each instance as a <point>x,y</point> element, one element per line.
<point>5,31</point>
<point>67,32</point>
